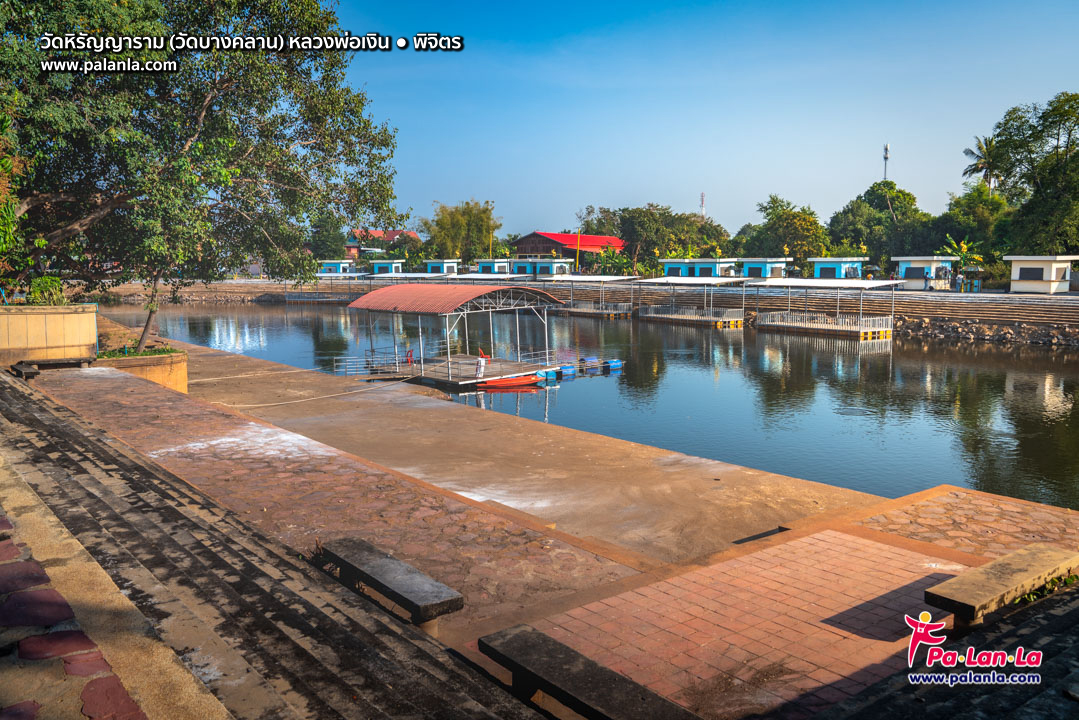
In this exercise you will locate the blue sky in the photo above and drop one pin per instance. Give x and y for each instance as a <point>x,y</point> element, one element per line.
<point>551,107</point>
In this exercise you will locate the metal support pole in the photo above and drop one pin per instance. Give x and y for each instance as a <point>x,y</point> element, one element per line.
<point>449,357</point>
<point>517,317</point>
<point>419,321</point>
<point>860,294</point>
<point>491,320</point>
<point>837,306</point>
<point>546,339</point>
<point>465,317</point>
<point>393,331</point>
<point>788,299</point>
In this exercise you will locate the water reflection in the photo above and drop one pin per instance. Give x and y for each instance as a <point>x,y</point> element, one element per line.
<point>887,418</point>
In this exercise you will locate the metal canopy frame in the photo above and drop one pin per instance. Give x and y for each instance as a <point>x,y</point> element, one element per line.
<point>502,299</point>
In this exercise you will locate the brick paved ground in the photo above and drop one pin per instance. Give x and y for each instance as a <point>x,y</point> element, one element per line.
<point>797,626</point>
<point>979,523</point>
<point>298,489</point>
<point>48,665</point>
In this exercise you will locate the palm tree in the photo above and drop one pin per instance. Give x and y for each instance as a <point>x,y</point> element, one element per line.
<point>986,160</point>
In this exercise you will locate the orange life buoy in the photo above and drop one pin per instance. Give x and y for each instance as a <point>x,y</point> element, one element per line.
<point>408,357</point>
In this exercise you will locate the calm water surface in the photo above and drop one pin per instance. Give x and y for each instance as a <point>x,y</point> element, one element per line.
<point>884,418</point>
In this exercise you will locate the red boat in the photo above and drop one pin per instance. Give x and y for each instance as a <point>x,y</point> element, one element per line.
<point>511,382</point>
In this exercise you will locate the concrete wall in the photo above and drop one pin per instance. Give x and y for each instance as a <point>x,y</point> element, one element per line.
<point>167,370</point>
<point>1056,274</point>
<point>47,332</point>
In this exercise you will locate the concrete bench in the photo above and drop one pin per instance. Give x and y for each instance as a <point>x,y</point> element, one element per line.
<point>539,662</point>
<point>25,371</point>
<point>979,591</point>
<point>422,597</point>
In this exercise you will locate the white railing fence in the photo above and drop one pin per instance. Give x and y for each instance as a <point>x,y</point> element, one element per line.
<point>823,321</point>
<point>689,312</point>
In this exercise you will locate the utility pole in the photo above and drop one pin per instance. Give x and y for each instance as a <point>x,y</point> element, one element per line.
<point>887,155</point>
<point>702,206</point>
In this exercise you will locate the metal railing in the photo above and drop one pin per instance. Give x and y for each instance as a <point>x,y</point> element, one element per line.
<point>589,307</point>
<point>821,321</point>
<point>688,312</point>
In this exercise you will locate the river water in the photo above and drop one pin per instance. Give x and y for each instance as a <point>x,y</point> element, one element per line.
<point>888,418</point>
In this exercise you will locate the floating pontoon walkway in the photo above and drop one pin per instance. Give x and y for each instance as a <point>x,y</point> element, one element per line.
<point>858,326</point>
<point>704,314</point>
<point>587,308</point>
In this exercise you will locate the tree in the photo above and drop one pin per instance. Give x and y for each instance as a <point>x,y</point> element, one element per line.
<point>787,230</point>
<point>185,175</point>
<point>598,221</point>
<point>1040,164</point>
<point>13,258</point>
<point>985,160</point>
<point>327,239</point>
<point>966,251</point>
<point>465,230</point>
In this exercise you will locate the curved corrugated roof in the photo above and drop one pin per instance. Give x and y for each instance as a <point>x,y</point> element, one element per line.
<point>423,299</point>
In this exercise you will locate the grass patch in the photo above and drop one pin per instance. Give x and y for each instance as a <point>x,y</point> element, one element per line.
<point>129,352</point>
<point>1058,583</point>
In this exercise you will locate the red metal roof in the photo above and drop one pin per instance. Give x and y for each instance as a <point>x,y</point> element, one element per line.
<point>421,299</point>
<point>589,243</point>
<point>598,242</point>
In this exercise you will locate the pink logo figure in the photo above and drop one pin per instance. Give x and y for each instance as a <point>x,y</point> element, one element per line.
<point>922,633</point>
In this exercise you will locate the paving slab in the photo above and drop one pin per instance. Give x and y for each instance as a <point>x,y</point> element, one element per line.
<point>791,628</point>
<point>980,523</point>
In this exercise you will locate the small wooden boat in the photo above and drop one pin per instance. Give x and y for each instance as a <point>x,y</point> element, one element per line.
<point>519,381</point>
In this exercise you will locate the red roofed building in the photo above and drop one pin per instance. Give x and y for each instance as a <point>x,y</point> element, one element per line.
<point>540,244</point>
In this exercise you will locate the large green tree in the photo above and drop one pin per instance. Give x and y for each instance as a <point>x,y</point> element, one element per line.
<point>465,230</point>
<point>787,230</point>
<point>187,174</point>
<point>1039,147</point>
<point>327,239</point>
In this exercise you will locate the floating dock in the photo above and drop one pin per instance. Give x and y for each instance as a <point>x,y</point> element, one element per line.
<point>688,315</point>
<point>858,327</point>
<point>458,372</point>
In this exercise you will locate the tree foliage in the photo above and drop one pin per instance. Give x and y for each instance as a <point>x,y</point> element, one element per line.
<point>787,231</point>
<point>327,239</point>
<point>1040,164</point>
<point>465,230</point>
<point>185,175</point>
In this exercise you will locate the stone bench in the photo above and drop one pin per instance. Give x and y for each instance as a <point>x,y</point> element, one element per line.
<point>539,662</point>
<point>421,596</point>
<point>25,371</point>
<point>979,591</point>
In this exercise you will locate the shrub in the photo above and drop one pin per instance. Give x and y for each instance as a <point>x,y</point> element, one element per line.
<point>46,291</point>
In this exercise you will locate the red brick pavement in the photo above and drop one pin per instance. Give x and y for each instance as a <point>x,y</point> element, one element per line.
<point>29,615</point>
<point>298,489</point>
<point>980,523</point>
<point>800,625</point>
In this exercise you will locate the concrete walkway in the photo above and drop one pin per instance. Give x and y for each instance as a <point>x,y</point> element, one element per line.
<point>663,504</point>
<point>299,490</point>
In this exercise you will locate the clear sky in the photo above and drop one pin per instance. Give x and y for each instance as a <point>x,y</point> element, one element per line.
<point>554,106</point>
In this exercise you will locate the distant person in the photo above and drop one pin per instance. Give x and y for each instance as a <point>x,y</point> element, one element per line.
<point>926,285</point>
<point>959,282</point>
